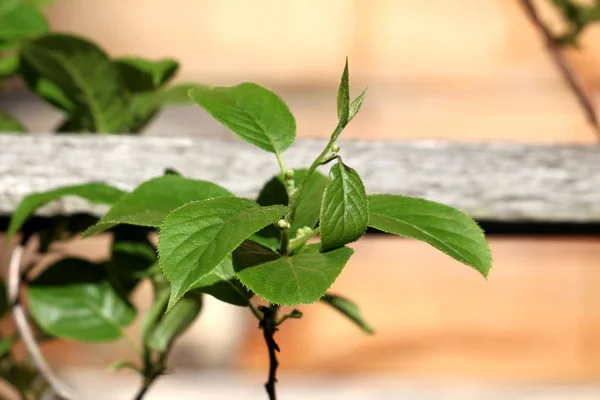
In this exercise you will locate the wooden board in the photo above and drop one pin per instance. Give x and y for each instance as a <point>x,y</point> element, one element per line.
<point>494,181</point>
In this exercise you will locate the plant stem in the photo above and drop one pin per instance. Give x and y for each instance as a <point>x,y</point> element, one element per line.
<point>142,392</point>
<point>255,311</point>
<point>280,162</point>
<point>301,241</point>
<point>561,63</point>
<point>268,325</point>
<point>151,371</point>
<point>285,242</point>
<point>294,197</point>
<point>14,277</point>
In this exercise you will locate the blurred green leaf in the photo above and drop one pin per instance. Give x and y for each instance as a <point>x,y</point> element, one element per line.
<point>124,364</point>
<point>96,193</point>
<point>3,298</point>
<point>39,3</point>
<point>9,124</point>
<point>349,309</point>
<point>5,346</point>
<point>86,76</point>
<point>132,254</point>
<point>74,299</point>
<point>9,64</point>
<point>20,21</point>
<point>142,75</point>
<point>47,90</point>
<point>146,106</point>
<point>175,322</point>
<point>154,314</point>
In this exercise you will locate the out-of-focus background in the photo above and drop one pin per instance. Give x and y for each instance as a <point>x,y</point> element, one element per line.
<point>468,70</point>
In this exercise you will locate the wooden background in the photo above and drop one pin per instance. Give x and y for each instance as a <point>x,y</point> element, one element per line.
<point>460,69</point>
<point>437,69</point>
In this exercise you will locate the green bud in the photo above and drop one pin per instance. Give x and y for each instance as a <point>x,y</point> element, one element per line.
<point>288,175</point>
<point>283,224</point>
<point>335,148</point>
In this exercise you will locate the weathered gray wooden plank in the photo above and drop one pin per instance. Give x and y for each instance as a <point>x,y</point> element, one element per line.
<point>495,181</point>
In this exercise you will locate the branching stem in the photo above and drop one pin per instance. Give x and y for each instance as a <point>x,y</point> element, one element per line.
<point>18,312</point>
<point>269,326</point>
<point>151,371</point>
<point>301,241</point>
<point>323,156</point>
<point>561,63</point>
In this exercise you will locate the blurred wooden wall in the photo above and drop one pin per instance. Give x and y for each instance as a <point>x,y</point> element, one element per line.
<point>461,69</point>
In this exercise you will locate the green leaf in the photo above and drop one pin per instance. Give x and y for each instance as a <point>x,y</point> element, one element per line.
<point>46,89</point>
<point>195,238</point>
<point>300,279</point>
<point>308,203</point>
<point>22,376</point>
<point>154,314</point>
<point>96,193</point>
<point>87,77</point>
<point>142,75</point>
<point>222,284</point>
<point>9,65</point>
<point>252,112</point>
<point>349,309</point>
<point>132,255</point>
<point>343,97</point>
<point>149,203</point>
<point>356,104</point>
<point>39,3</point>
<point>57,228</point>
<point>146,106</point>
<point>9,124</point>
<point>20,21</point>
<point>175,322</point>
<point>443,227</point>
<point>124,364</point>
<point>344,209</point>
<point>5,346</point>
<point>3,299</point>
<point>74,299</point>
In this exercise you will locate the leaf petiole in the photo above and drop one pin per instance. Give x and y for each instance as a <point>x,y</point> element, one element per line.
<point>294,196</point>
<point>295,314</point>
<point>329,159</point>
<point>301,241</point>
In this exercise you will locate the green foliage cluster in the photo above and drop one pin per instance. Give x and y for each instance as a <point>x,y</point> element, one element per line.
<point>285,248</point>
<point>578,16</point>
<point>94,92</point>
